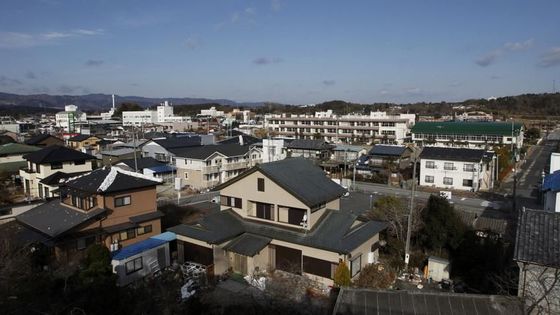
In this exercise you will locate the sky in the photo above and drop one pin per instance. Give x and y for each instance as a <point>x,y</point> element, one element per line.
<point>296,52</point>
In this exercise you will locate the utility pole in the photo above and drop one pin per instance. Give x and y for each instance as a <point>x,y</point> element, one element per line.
<point>354,178</point>
<point>134,144</point>
<point>409,225</point>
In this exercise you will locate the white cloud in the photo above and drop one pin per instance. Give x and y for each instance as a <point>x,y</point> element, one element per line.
<point>550,58</point>
<point>24,40</point>
<point>518,46</point>
<point>494,55</point>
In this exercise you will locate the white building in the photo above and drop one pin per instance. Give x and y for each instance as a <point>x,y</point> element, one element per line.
<point>109,115</point>
<point>212,112</point>
<point>377,127</point>
<point>69,117</point>
<point>460,169</point>
<point>162,114</point>
<point>273,150</point>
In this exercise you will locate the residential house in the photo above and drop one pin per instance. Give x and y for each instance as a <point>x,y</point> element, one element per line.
<point>458,168</point>
<point>11,156</point>
<point>114,156</point>
<point>482,135</point>
<point>283,215</point>
<point>421,302</point>
<point>46,167</point>
<point>319,150</point>
<point>85,143</point>
<point>108,206</point>
<point>241,139</point>
<point>159,148</point>
<point>385,157</point>
<point>44,140</point>
<point>537,253</point>
<point>207,166</point>
<point>150,167</point>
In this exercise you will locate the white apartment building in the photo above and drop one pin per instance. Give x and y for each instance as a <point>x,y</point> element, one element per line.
<point>212,112</point>
<point>377,127</point>
<point>273,150</point>
<point>459,169</point>
<point>69,118</point>
<point>162,114</point>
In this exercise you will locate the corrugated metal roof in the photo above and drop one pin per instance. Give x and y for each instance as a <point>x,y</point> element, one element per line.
<point>137,248</point>
<point>538,238</point>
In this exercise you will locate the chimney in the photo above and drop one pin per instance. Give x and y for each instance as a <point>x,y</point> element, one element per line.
<point>240,139</point>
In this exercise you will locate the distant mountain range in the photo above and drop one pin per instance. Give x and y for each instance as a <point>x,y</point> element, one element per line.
<point>96,102</point>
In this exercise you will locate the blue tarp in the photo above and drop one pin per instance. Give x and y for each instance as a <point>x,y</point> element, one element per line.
<point>143,246</point>
<point>552,181</point>
<point>162,169</point>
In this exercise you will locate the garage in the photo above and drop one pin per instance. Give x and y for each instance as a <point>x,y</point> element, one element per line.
<point>196,253</point>
<point>288,259</point>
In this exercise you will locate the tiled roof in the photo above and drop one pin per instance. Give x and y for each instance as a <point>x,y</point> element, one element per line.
<point>40,138</point>
<point>247,244</point>
<point>467,128</point>
<point>235,139</point>
<point>309,144</point>
<point>380,302</point>
<point>57,153</point>
<point>110,180</point>
<point>452,154</point>
<point>178,142</point>
<point>145,162</point>
<point>16,148</point>
<point>55,178</point>
<point>53,218</point>
<point>538,238</point>
<point>80,138</point>
<point>387,150</point>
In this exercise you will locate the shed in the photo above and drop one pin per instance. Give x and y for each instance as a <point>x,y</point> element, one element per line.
<point>438,268</point>
<point>138,260</point>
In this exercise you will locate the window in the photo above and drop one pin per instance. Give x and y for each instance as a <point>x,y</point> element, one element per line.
<point>122,201</point>
<point>80,162</point>
<point>448,166</point>
<point>55,166</point>
<point>355,266</point>
<point>133,265</point>
<point>318,267</point>
<point>429,179</point>
<point>430,164</point>
<point>144,230</point>
<point>237,203</point>
<point>448,181</point>
<point>264,211</point>
<point>467,182</point>
<point>127,234</point>
<point>230,202</point>
<point>186,175</point>
<point>468,167</point>
<point>84,203</point>
<point>260,184</point>
<point>84,242</point>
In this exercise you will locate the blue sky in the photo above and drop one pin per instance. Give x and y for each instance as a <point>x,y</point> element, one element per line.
<point>286,51</point>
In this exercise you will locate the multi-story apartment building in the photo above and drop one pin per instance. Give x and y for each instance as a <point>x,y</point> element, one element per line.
<point>68,119</point>
<point>468,134</point>
<point>284,215</point>
<point>207,166</point>
<point>457,168</point>
<point>46,167</point>
<point>107,206</point>
<point>377,127</point>
<point>162,114</point>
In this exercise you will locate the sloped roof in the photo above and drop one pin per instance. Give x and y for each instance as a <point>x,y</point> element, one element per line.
<point>40,138</point>
<point>110,180</point>
<point>552,181</point>
<point>247,139</point>
<point>453,154</point>
<point>204,152</point>
<point>387,150</point>
<point>80,138</point>
<point>538,238</point>
<point>16,148</point>
<point>56,178</point>
<point>467,128</point>
<point>57,153</point>
<point>247,244</point>
<point>310,144</point>
<point>352,301</point>
<point>53,218</point>
<point>178,142</point>
<point>145,162</point>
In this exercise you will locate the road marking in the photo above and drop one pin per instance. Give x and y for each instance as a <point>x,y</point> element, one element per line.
<point>463,198</point>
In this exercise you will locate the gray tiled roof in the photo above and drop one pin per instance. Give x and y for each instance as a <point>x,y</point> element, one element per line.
<point>55,178</point>
<point>333,233</point>
<point>55,154</point>
<point>387,150</point>
<point>538,238</point>
<point>381,302</point>
<point>178,142</point>
<point>53,218</point>
<point>145,162</point>
<point>91,182</point>
<point>247,244</point>
<point>452,154</point>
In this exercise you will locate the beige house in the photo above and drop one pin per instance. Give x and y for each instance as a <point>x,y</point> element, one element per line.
<point>207,166</point>
<point>282,215</point>
<point>48,166</point>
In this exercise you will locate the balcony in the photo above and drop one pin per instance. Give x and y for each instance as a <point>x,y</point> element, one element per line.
<point>28,171</point>
<point>210,169</point>
<point>234,166</point>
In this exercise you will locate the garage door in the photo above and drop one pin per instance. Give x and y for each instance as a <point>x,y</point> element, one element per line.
<point>288,259</point>
<point>198,254</point>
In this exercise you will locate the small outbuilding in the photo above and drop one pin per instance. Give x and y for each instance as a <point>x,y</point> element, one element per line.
<point>438,269</point>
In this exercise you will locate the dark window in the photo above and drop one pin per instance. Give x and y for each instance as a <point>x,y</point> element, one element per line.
<point>264,211</point>
<point>55,166</point>
<point>467,182</point>
<point>133,265</point>
<point>198,254</point>
<point>355,266</point>
<point>260,184</point>
<point>318,267</point>
<point>238,203</point>
<point>122,201</point>
<point>80,162</point>
<point>144,229</point>
<point>295,216</point>
<point>288,259</point>
<point>127,234</point>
